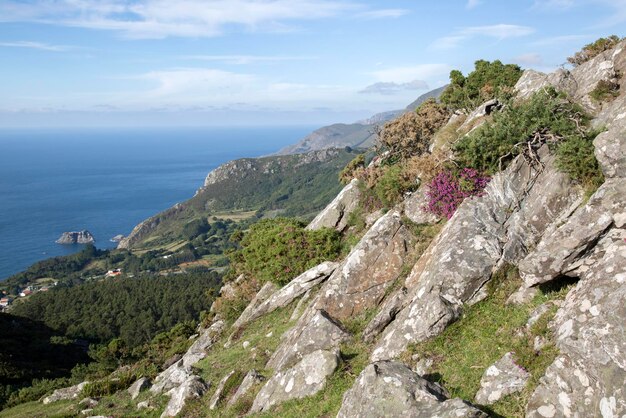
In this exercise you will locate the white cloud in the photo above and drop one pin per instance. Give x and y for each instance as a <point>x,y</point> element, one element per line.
<point>473,3</point>
<point>388,88</point>
<point>553,4</point>
<point>183,18</point>
<point>500,31</point>
<point>196,82</point>
<point>247,59</point>
<point>411,73</point>
<point>383,13</point>
<point>36,45</point>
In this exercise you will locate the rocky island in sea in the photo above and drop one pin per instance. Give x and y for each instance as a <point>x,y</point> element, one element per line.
<point>117,238</point>
<point>76,237</point>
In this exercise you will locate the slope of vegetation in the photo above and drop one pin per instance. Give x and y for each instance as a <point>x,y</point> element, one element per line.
<point>278,250</point>
<point>289,185</point>
<point>132,309</point>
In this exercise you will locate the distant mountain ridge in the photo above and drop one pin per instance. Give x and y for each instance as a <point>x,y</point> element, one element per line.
<point>360,134</point>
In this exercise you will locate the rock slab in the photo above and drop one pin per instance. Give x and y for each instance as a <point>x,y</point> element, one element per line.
<point>390,389</point>
<point>71,392</point>
<point>500,379</point>
<point>304,379</point>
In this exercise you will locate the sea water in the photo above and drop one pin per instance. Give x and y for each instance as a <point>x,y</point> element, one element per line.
<point>107,180</point>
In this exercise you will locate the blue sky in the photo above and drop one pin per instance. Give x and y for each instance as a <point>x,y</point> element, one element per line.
<point>251,62</point>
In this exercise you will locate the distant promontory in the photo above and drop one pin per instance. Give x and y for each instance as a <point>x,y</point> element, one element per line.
<point>76,237</point>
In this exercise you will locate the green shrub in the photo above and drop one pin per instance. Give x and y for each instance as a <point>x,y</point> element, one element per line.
<point>605,90</point>
<point>591,50</point>
<point>108,386</point>
<point>278,250</point>
<point>37,389</point>
<point>412,133</point>
<point>350,171</point>
<point>392,184</point>
<point>488,80</point>
<point>576,158</point>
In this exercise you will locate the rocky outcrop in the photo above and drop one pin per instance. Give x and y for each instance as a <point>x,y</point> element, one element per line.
<point>304,379</point>
<point>117,238</point>
<point>287,294</point>
<point>76,237</point>
<point>415,208</point>
<point>219,394</point>
<point>316,331</point>
<point>336,214</point>
<point>564,251</point>
<point>71,392</point>
<point>267,290</point>
<point>501,379</point>
<point>485,109</point>
<point>581,80</point>
<point>179,380</point>
<point>207,338</point>
<point>139,386</point>
<point>387,313</point>
<point>588,378</point>
<point>192,388</point>
<point>370,268</point>
<point>390,389</point>
<point>252,378</point>
<point>172,377</point>
<point>519,205</point>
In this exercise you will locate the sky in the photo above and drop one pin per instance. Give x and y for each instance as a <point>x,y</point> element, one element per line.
<point>77,63</point>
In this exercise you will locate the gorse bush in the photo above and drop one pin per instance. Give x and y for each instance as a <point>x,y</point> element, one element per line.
<point>605,90</point>
<point>352,169</point>
<point>411,133</point>
<point>450,187</point>
<point>278,250</point>
<point>392,184</point>
<point>591,50</point>
<point>490,147</point>
<point>488,80</point>
<point>576,158</point>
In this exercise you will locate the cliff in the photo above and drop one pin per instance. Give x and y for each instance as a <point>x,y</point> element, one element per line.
<point>291,185</point>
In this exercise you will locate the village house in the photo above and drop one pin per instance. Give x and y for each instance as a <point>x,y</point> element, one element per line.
<point>113,273</point>
<point>6,301</point>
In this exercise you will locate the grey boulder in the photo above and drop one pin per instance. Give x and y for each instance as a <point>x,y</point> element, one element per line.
<point>192,388</point>
<point>63,394</point>
<point>500,379</point>
<point>336,213</point>
<point>304,379</point>
<point>139,386</point>
<point>390,389</point>
<point>294,289</point>
<point>316,331</point>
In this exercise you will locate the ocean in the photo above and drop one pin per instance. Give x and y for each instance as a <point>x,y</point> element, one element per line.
<point>107,180</point>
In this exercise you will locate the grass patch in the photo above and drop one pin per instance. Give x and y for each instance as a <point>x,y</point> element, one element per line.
<point>605,90</point>
<point>487,331</point>
<point>39,410</point>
